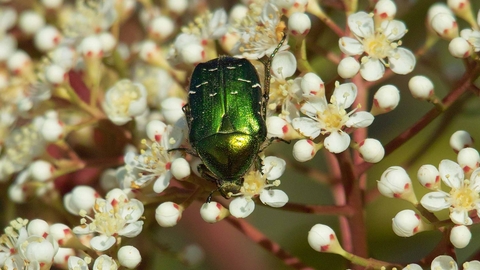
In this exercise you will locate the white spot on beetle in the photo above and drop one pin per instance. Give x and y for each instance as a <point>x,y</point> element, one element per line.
<point>256,85</point>
<point>212,95</point>
<point>213,69</point>
<point>203,83</point>
<point>192,92</point>
<point>231,67</point>
<point>243,80</point>
<point>234,93</point>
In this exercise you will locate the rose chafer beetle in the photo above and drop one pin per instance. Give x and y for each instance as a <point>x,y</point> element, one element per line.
<point>226,113</point>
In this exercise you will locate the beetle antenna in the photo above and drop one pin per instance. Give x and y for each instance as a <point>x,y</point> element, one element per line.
<point>209,198</point>
<point>268,65</point>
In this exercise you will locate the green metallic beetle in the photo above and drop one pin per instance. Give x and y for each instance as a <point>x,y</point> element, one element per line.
<point>226,113</point>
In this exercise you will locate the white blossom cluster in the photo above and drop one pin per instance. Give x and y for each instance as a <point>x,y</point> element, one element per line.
<point>95,123</point>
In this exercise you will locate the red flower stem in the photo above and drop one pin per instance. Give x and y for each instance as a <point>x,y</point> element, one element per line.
<point>266,243</point>
<point>431,115</point>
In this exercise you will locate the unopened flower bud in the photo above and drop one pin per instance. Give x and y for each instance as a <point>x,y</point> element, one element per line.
<point>30,22</point>
<point>279,128</point>
<point>192,54</point>
<point>348,67</point>
<point>161,28</point>
<point>60,259</point>
<point>19,63</point>
<point>168,214</point>
<point>312,85</point>
<point>384,10</point>
<point>237,13</point>
<point>323,239</point>
<point>460,139</point>
<point>80,198</point>
<point>395,183</point>
<point>62,234</point>
<point>421,87</point>
<point>172,109</point>
<point>177,6</point>
<point>129,257</point>
<point>108,42</point>
<point>429,176</point>
<point>38,227</point>
<point>52,129</point>
<point>407,223</point>
<point>155,130</point>
<point>305,150</point>
<point>460,236</point>
<point>55,74</point>
<point>8,45</point>
<point>180,169</point>
<point>385,99</point>
<point>91,47</point>
<point>299,24</point>
<point>47,38</point>
<point>371,150</point>
<point>213,212</point>
<point>290,7</point>
<point>462,9</point>
<point>52,4</point>
<point>41,170</point>
<point>460,48</point>
<point>445,26</point>
<point>469,159</point>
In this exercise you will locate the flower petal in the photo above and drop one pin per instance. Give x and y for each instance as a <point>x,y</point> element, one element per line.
<point>350,46</point>
<point>308,127</point>
<point>361,24</point>
<point>162,182</point>
<point>402,61</point>
<point>241,207</point>
<point>444,262</point>
<point>435,201</point>
<point>344,95</point>
<point>314,105</point>
<point>360,119</point>
<point>372,69</point>
<point>132,229</point>
<point>102,242</point>
<point>475,180</point>
<point>274,197</point>
<point>393,30</point>
<point>274,167</point>
<point>451,173</point>
<point>460,217</point>
<point>337,142</point>
<point>284,64</point>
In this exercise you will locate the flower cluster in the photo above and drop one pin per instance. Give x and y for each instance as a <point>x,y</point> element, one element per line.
<point>118,116</point>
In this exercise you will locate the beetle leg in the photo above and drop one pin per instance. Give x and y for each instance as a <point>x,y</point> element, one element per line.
<point>185,150</point>
<point>268,65</point>
<point>270,141</point>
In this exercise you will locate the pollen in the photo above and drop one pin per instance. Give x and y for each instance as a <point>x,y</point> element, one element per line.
<point>464,197</point>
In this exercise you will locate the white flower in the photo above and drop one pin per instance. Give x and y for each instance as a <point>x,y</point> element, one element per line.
<point>378,44</point>
<point>125,100</point>
<point>463,196</point>
<point>114,216</point>
<point>155,162</point>
<point>330,119</point>
<point>284,94</point>
<point>444,262</point>
<point>22,248</point>
<point>260,31</point>
<point>104,262</point>
<point>256,184</point>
